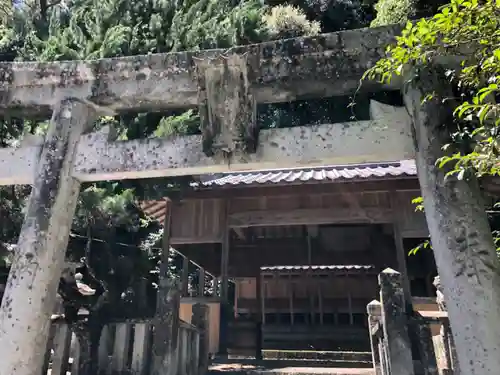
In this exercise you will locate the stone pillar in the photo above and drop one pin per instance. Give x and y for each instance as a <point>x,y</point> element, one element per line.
<point>32,284</point>
<point>166,322</point>
<point>463,246</point>
<point>395,322</point>
<point>200,321</point>
<point>374,310</point>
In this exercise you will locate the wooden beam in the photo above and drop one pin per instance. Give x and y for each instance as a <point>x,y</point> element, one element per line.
<point>315,216</point>
<point>98,159</point>
<point>282,71</point>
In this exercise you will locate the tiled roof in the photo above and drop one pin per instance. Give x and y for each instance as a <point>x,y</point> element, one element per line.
<point>347,267</point>
<point>328,173</point>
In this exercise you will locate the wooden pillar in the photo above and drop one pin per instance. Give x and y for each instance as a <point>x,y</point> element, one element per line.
<point>258,328</point>
<point>185,277</point>
<point>166,322</point>
<point>349,306</point>
<point>30,294</point>
<point>201,282</point>
<point>401,259</point>
<point>291,296</point>
<point>263,296</point>
<point>224,293</point>
<point>395,322</point>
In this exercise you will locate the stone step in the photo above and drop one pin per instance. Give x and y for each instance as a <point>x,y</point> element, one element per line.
<point>237,369</point>
<point>317,355</point>
<point>280,363</point>
<point>338,363</point>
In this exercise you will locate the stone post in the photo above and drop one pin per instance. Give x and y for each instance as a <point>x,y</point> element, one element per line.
<point>200,321</point>
<point>31,290</point>
<point>374,310</point>
<point>395,322</point>
<point>166,330</point>
<point>166,322</point>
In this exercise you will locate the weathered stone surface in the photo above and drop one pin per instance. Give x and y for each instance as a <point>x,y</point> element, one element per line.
<point>343,143</point>
<point>39,259</point>
<point>395,322</point>
<point>465,253</point>
<point>166,322</point>
<point>374,310</point>
<point>200,320</point>
<point>299,68</point>
<point>227,108</point>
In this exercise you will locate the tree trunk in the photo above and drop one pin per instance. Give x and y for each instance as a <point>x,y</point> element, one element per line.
<point>31,289</point>
<point>461,236</point>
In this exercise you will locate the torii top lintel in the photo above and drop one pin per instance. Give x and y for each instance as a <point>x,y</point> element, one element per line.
<point>284,70</point>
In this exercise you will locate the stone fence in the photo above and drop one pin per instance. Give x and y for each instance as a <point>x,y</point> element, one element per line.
<point>401,338</point>
<point>126,348</point>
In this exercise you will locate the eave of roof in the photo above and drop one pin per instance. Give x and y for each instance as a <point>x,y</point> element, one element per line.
<point>331,173</point>
<point>336,267</point>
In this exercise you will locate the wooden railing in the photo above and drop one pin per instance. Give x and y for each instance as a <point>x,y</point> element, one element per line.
<point>401,341</point>
<point>125,348</point>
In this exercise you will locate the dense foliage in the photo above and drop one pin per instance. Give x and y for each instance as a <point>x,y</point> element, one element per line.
<point>390,12</point>
<point>466,35</point>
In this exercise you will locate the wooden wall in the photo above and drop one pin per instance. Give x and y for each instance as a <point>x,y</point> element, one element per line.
<point>203,220</point>
<point>413,223</point>
<point>197,221</point>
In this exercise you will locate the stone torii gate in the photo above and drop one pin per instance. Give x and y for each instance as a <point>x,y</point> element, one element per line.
<point>225,85</point>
